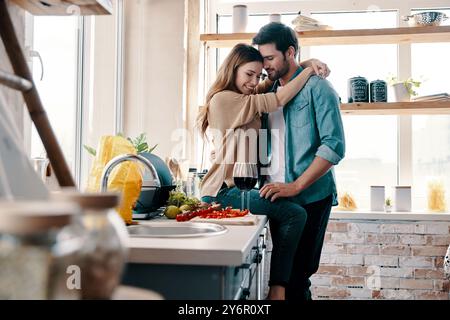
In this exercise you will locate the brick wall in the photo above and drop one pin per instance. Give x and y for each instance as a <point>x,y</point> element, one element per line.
<point>383,259</point>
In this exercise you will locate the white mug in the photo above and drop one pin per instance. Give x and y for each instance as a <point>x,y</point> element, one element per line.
<point>402,198</point>
<point>240,17</point>
<point>377,198</point>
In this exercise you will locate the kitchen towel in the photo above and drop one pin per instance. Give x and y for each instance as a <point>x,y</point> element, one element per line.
<point>18,180</point>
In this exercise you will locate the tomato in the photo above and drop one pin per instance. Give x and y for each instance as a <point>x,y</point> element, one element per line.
<point>212,212</point>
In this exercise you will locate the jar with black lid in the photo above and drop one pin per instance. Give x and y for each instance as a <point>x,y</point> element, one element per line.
<point>358,89</point>
<point>378,91</point>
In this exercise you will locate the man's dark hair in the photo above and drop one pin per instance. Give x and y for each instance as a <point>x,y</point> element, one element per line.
<point>281,35</point>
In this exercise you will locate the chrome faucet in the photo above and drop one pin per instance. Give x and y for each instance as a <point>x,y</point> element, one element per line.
<point>127,157</point>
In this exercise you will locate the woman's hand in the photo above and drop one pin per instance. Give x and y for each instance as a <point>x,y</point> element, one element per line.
<point>274,191</point>
<point>320,68</point>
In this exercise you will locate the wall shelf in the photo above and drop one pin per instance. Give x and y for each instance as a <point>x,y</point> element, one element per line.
<point>342,37</point>
<point>396,108</point>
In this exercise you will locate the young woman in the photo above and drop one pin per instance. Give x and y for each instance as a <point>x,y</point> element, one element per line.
<point>232,113</point>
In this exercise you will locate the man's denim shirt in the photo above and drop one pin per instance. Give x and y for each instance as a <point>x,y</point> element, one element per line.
<point>313,128</point>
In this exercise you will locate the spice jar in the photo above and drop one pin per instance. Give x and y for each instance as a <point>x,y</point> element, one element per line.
<point>378,91</point>
<point>105,251</point>
<point>39,248</point>
<point>358,90</point>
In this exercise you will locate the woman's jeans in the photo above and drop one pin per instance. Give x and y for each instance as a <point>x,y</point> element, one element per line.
<point>290,218</point>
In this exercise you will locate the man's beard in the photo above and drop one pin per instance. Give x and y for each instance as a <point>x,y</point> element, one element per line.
<point>280,73</point>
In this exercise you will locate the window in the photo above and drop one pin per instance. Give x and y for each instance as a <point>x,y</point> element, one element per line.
<point>371,157</point>
<point>385,150</point>
<point>371,153</point>
<point>55,39</point>
<point>430,134</point>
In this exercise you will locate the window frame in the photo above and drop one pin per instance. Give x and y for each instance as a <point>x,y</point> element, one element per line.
<point>85,55</point>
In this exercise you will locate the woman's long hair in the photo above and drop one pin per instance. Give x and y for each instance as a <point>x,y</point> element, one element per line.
<point>226,76</point>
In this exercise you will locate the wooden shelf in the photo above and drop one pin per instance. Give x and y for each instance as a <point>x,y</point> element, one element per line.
<point>343,37</point>
<point>396,108</point>
<point>66,7</point>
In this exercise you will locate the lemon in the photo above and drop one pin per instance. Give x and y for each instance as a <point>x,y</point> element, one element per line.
<point>171,212</point>
<point>185,207</point>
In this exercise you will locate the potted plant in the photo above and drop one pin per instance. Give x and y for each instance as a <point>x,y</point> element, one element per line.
<point>388,205</point>
<point>404,89</point>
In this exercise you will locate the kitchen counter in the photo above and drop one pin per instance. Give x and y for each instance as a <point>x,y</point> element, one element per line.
<point>229,249</point>
<point>226,266</point>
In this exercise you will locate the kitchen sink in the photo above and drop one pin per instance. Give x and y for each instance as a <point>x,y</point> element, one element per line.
<point>176,230</point>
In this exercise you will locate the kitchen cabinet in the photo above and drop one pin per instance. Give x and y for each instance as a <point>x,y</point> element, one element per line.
<point>401,35</point>
<point>223,267</point>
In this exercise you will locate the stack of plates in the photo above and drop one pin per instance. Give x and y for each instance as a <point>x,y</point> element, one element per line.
<point>304,23</point>
<point>433,97</point>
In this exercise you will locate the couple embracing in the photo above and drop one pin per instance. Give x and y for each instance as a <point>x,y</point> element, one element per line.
<point>295,117</point>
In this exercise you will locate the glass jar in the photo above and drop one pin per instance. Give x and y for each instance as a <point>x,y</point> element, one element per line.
<point>39,248</point>
<point>191,182</point>
<point>106,247</point>
<point>436,195</point>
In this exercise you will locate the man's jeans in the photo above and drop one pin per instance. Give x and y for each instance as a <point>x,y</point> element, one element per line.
<point>307,257</point>
<point>290,219</point>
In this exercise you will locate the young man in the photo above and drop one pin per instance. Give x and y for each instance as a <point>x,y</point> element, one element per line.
<point>310,142</point>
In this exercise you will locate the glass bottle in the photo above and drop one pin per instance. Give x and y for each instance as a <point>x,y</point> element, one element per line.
<point>105,251</point>
<point>39,251</point>
<point>191,182</point>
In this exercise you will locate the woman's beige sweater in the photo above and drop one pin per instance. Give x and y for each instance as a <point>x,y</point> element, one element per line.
<point>234,121</point>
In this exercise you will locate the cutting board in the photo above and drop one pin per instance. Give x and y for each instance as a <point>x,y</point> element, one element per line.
<point>247,220</point>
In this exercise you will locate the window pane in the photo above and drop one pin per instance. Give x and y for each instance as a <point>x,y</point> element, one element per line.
<point>55,38</point>
<point>371,142</point>
<point>430,134</point>
<point>371,156</point>
<point>431,156</point>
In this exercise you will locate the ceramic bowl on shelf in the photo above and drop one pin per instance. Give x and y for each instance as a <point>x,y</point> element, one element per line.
<point>428,18</point>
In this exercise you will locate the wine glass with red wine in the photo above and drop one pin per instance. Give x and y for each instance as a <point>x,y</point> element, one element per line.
<point>245,176</point>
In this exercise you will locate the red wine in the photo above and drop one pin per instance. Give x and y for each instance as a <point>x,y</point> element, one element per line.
<point>245,183</point>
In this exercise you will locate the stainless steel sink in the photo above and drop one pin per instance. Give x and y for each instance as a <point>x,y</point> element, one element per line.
<point>176,230</point>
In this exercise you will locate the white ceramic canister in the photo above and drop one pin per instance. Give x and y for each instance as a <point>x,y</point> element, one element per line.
<point>377,196</point>
<point>275,17</point>
<point>402,200</point>
<point>240,18</point>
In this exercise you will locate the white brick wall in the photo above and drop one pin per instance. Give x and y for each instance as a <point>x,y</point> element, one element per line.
<point>381,259</point>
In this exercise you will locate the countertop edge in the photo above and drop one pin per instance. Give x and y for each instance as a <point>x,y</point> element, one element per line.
<point>197,256</point>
